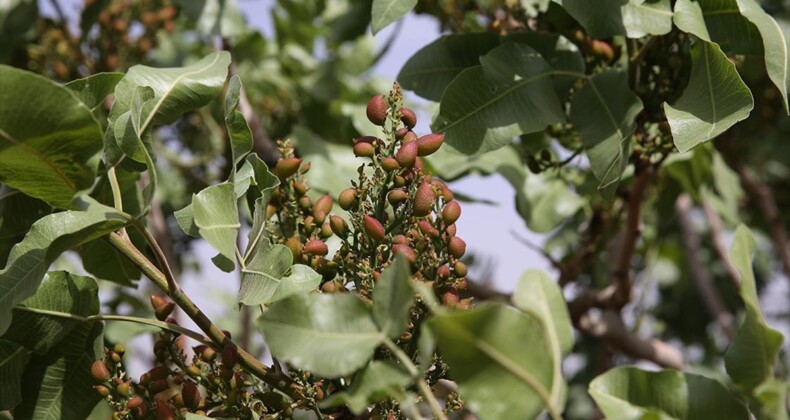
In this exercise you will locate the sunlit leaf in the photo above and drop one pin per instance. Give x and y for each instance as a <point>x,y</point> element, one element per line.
<point>384,12</point>
<point>330,335</point>
<point>217,218</point>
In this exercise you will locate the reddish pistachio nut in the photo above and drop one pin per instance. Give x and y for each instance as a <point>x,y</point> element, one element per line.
<point>367,139</point>
<point>602,49</point>
<point>305,168</point>
<point>159,372</point>
<point>347,198</point>
<point>102,390</point>
<point>443,272</point>
<point>377,110</point>
<point>364,150</point>
<point>406,154</point>
<point>124,389</point>
<point>100,372</point>
<point>464,303</point>
<point>319,216</point>
<point>271,209</point>
<point>456,247</point>
<point>376,276</point>
<point>450,297</point>
<point>120,349</point>
<point>157,386</point>
<point>191,395</point>
<point>390,164</point>
<point>424,200</point>
<point>305,203</point>
<point>399,181</point>
<point>299,187</point>
<point>373,228</point>
<point>295,245</point>
<point>460,269</point>
<point>401,133</point>
<point>309,224</point>
<point>430,143</point>
<point>163,307</point>
<point>427,229</point>
<point>316,247</point>
<point>163,411</point>
<point>408,117</point>
<point>324,204</point>
<point>409,137</point>
<point>460,284</point>
<point>230,355</point>
<point>419,165</point>
<point>400,239</point>
<point>406,251</point>
<point>287,167</point>
<point>333,286</point>
<point>194,371</point>
<point>397,196</point>
<point>134,402</point>
<point>339,226</point>
<point>326,231</point>
<point>451,212</point>
<point>451,230</point>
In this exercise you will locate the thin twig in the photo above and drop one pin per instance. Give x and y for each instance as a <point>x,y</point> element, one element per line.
<point>699,272</point>
<point>425,390</point>
<point>189,307</point>
<point>173,289</point>
<point>717,236</point>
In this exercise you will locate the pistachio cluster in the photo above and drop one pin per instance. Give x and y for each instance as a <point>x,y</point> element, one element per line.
<point>210,384</point>
<point>394,207</point>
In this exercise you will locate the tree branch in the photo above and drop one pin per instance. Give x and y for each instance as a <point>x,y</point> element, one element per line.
<point>699,273</point>
<point>610,327</point>
<point>631,233</point>
<point>216,335</point>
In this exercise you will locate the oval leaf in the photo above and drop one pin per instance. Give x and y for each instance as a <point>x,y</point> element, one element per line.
<point>384,12</point>
<point>330,335</point>
<point>392,298</point>
<point>49,141</point>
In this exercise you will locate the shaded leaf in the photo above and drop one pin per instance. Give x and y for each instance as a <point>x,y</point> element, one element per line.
<point>47,239</point>
<point>485,350</point>
<point>629,392</point>
<point>544,201</point>
<point>751,357</point>
<point>94,89</point>
<point>378,381</point>
<point>329,335</point>
<point>58,384</point>
<point>261,278</point>
<point>431,69</point>
<point>238,130</point>
<point>393,297</point>
<point>384,12</point>
<point>13,360</point>
<point>215,17</point>
<point>485,107</point>
<point>604,112</point>
<point>60,291</point>
<point>49,141</point>
<point>714,100</point>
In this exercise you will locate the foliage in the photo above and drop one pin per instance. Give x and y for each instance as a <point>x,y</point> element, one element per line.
<point>638,136</point>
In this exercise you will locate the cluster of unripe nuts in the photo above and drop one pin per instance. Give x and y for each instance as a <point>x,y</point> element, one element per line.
<point>395,207</point>
<point>212,385</point>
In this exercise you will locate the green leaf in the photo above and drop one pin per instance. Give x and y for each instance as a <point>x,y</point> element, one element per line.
<point>485,107</point>
<point>378,381</point>
<point>94,89</point>
<point>261,278</point>
<point>217,218</point>
<point>13,359</point>
<point>688,17</point>
<point>58,384</point>
<point>723,24</point>
<point>485,348</point>
<point>776,40</point>
<point>714,100</point>
<point>604,111</point>
<point>544,201</point>
<point>431,69</point>
<point>536,293</point>
<point>60,291</point>
<point>301,280</point>
<point>215,17</point>
<point>751,357</point>
<point>393,297</point>
<point>238,130</point>
<point>18,211</point>
<point>49,141</point>
<point>176,91</point>
<point>561,54</point>
<point>629,392</point>
<point>329,335</point>
<point>633,18</point>
<point>47,239</point>
<point>384,12</point>
<point>771,397</point>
